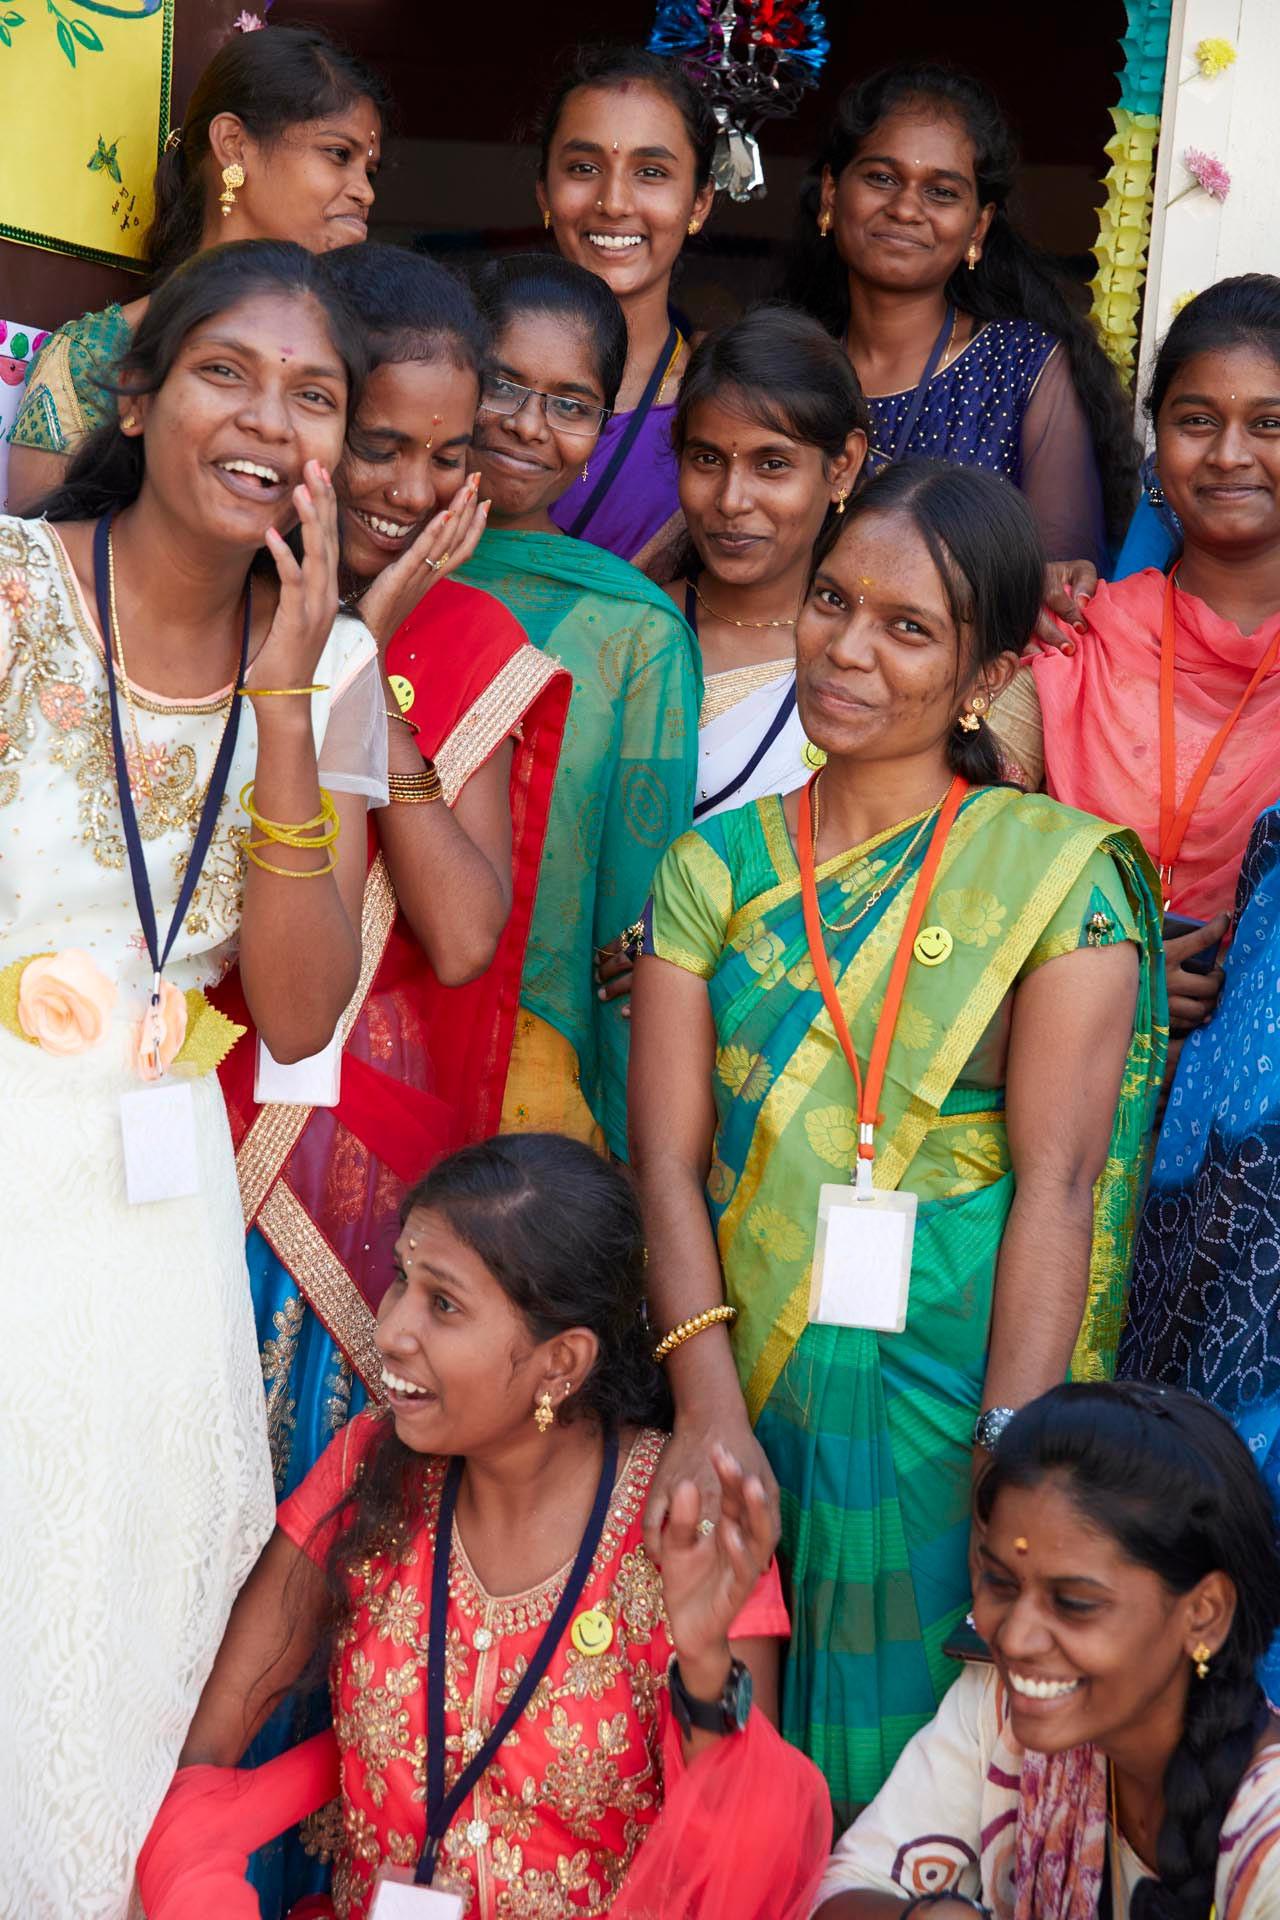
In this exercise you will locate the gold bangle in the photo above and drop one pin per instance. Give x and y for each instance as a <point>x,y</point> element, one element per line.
<point>319,832</point>
<point>415,789</point>
<point>404,720</point>
<point>713,1317</point>
<point>290,873</point>
<point>279,693</point>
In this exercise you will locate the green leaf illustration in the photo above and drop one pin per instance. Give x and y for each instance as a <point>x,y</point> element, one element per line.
<point>6,38</point>
<point>14,19</point>
<point>65,41</point>
<point>86,35</point>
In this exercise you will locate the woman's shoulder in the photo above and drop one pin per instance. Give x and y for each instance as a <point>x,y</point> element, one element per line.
<point>350,647</point>
<point>1040,824</point>
<point>64,398</point>
<point>29,560</point>
<point>1249,1874</point>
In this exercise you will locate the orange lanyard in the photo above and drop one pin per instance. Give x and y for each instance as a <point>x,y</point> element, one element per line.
<point>1175,817</point>
<point>869,1091</point>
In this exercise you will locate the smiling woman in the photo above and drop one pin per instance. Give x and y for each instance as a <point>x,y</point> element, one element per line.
<point>281,140</point>
<point>178,690</point>
<point>872,976</point>
<point>1121,1758</point>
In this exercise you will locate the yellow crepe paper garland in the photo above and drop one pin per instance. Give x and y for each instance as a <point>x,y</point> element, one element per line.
<point>1124,229</point>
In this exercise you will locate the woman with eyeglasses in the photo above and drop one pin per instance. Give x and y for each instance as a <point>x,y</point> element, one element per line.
<point>625,784</point>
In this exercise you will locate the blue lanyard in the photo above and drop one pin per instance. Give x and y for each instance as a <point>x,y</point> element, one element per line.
<point>627,439</point>
<point>908,427</point>
<point>442,1806</point>
<point>128,815</point>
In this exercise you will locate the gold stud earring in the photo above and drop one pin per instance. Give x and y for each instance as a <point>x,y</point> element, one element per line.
<point>129,423</point>
<point>232,178</point>
<point>544,1414</point>
<point>1202,1655</point>
<point>693,227</point>
<point>972,257</point>
<point>824,223</point>
<point>546,218</point>
<point>841,497</point>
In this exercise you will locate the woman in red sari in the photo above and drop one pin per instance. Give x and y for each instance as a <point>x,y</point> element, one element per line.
<point>526,1710</point>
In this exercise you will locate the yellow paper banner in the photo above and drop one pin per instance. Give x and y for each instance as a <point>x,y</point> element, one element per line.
<point>85,87</point>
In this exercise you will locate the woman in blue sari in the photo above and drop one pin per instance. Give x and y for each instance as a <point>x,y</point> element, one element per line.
<point>1204,1305</point>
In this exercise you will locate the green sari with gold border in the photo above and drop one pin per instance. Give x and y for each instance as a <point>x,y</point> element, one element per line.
<point>870,1433</point>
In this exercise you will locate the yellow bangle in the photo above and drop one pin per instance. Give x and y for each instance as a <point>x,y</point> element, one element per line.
<point>303,833</point>
<point>713,1317</point>
<point>289,873</point>
<point>280,693</point>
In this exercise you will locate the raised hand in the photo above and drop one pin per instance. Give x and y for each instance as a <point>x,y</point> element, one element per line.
<point>308,603</point>
<point>708,1573</point>
<point>446,543</point>
<point>1066,583</point>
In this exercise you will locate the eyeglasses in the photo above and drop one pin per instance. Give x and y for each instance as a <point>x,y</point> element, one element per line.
<point>559,410</point>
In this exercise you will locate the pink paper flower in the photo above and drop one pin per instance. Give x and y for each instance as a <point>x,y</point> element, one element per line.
<point>248,23</point>
<point>172,1013</point>
<point>1208,172</point>
<point>63,1002</point>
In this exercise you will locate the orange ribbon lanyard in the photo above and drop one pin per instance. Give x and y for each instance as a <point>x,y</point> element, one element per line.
<point>869,1091</point>
<point>1175,818</point>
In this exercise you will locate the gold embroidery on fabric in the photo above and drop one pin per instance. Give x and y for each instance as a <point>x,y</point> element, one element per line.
<point>722,692</point>
<point>278,1354</point>
<point>323,1281</point>
<point>493,718</point>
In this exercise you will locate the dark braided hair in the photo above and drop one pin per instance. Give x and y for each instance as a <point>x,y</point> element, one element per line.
<point>560,1231</point>
<point>1012,281</point>
<point>1167,1477</point>
<point>982,538</point>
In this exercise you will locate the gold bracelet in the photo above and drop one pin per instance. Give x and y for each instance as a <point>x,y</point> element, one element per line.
<point>288,873</point>
<point>279,693</point>
<point>415,789</point>
<point>404,720</point>
<point>713,1317</point>
<point>322,831</point>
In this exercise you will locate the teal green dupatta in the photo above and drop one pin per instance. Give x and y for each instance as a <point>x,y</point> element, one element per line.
<point>625,785</point>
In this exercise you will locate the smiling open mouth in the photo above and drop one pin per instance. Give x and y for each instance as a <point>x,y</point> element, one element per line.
<point>253,470</point>
<point>616,242</point>
<point>404,1389</point>
<point>1042,1689</point>
<point>387,529</point>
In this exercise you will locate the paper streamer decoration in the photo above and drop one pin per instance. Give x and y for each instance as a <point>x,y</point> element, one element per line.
<point>18,348</point>
<point>85,85</point>
<point>1124,223</point>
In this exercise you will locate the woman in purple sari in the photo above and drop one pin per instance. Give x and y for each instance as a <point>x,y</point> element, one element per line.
<point>625,178</point>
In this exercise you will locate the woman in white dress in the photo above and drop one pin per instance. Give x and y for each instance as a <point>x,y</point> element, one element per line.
<point>135,1482</point>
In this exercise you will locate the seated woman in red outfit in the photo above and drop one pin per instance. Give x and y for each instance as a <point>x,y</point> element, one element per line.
<point>527,1713</point>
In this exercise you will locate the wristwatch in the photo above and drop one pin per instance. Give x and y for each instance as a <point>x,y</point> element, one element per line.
<point>990,1425</point>
<point>728,1714</point>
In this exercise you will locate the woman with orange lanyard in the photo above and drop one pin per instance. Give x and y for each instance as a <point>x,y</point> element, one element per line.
<point>879,972</point>
<point>1165,715</point>
<point>625,178</point>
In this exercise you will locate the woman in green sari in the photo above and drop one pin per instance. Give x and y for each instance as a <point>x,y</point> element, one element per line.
<point>624,786</point>
<point>1020,1082</point>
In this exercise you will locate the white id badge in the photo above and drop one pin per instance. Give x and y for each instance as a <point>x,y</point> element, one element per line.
<point>159,1128</point>
<point>395,1898</point>
<point>862,1259</point>
<point>313,1082</point>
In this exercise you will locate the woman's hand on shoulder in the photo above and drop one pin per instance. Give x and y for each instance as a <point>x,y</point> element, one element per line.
<point>1066,583</point>
<point>710,1567</point>
<point>1193,995</point>
<point>308,603</point>
<point>446,543</point>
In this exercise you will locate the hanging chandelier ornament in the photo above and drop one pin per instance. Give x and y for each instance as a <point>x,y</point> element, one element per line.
<point>752,59</point>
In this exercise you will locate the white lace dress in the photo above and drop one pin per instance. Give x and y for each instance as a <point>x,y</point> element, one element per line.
<point>135,1481</point>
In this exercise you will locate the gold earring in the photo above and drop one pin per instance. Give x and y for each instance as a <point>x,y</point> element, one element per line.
<point>824,223</point>
<point>546,218</point>
<point>969,721</point>
<point>841,497</point>
<point>1202,1655</point>
<point>232,177</point>
<point>544,1414</point>
<point>129,423</point>
<point>694,226</point>
<point>972,256</point>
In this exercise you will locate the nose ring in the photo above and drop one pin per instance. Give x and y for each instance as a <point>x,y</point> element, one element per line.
<point>599,206</point>
<point>395,493</point>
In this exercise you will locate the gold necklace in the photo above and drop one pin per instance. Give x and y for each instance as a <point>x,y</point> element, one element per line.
<point>728,617</point>
<point>877,892</point>
<point>113,639</point>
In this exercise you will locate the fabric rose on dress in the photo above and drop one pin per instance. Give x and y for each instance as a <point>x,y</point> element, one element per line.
<point>64,1002</point>
<point>173,1031</point>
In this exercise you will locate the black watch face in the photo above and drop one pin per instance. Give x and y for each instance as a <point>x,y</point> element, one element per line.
<point>742,1694</point>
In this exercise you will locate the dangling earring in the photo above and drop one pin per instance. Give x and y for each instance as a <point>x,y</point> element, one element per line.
<point>693,227</point>
<point>586,468</point>
<point>1155,494</point>
<point>544,1414</point>
<point>824,223</point>
<point>1202,1655</point>
<point>972,257</point>
<point>232,177</point>
<point>546,218</point>
<point>971,719</point>
<point>841,497</point>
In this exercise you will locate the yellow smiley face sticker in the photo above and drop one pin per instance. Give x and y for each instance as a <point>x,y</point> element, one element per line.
<point>814,756</point>
<point>592,1632</point>
<point>403,690</point>
<point>932,946</point>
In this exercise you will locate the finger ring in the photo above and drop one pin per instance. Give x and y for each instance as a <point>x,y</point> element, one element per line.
<point>444,557</point>
<point>706,1527</point>
<point>435,565</point>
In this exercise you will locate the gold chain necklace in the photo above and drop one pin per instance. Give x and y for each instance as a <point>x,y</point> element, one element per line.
<point>877,892</point>
<point>113,639</point>
<point>728,617</point>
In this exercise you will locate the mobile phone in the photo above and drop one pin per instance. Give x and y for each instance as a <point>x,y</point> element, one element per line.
<point>966,1643</point>
<point>1175,925</point>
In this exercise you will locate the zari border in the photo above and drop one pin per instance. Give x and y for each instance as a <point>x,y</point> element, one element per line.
<point>489,720</point>
<point>323,1281</point>
<point>276,1130</point>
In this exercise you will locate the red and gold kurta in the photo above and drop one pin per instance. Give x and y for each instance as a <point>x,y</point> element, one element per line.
<point>551,1828</point>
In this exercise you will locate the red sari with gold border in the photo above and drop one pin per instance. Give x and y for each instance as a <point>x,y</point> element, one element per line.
<point>423,1066</point>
